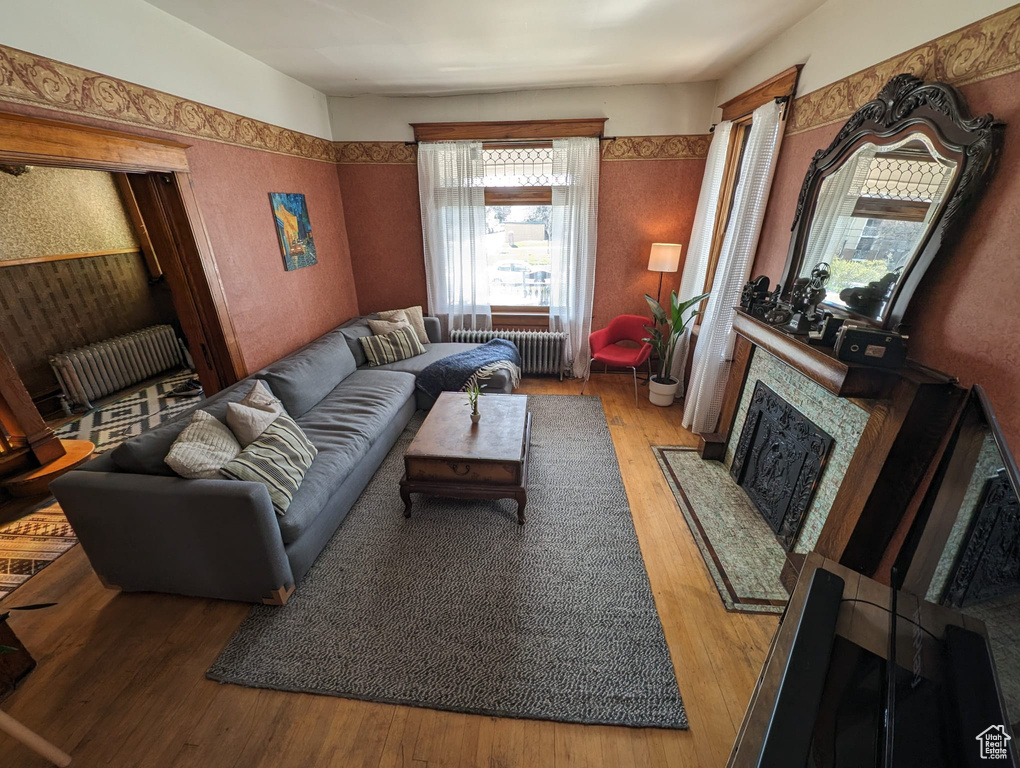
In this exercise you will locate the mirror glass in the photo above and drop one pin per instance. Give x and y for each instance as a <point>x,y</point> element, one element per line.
<point>977,516</point>
<point>872,216</point>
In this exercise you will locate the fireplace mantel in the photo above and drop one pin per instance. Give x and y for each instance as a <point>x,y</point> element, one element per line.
<point>819,364</point>
<point>910,410</point>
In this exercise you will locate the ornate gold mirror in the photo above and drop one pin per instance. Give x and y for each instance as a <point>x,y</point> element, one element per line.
<point>877,204</point>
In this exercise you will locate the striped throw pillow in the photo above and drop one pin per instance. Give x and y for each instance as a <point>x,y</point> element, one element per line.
<point>390,347</point>
<point>278,458</point>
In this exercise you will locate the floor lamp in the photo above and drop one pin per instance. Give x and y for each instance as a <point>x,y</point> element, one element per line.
<point>664,257</point>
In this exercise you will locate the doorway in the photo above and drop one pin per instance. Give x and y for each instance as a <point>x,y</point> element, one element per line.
<point>153,175</point>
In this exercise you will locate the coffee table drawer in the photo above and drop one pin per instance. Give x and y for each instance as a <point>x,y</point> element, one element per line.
<point>462,471</point>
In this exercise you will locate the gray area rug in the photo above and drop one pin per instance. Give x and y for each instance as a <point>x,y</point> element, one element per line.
<point>741,553</point>
<point>459,608</point>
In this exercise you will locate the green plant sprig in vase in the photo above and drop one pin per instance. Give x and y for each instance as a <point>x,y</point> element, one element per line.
<point>474,392</point>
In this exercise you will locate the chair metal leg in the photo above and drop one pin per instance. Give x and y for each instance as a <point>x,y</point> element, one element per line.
<point>587,373</point>
<point>633,370</point>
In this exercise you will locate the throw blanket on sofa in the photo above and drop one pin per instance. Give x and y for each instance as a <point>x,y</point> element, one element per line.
<point>472,366</point>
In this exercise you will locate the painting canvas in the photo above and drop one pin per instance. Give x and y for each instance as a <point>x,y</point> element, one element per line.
<point>294,229</point>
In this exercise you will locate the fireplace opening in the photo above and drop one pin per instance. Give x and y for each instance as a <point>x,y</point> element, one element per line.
<point>778,462</point>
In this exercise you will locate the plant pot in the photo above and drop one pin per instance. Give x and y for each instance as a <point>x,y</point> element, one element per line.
<point>662,394</point>
<point>475,418</point>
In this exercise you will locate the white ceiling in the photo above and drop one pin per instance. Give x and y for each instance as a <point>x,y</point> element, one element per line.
<point>432,47</point>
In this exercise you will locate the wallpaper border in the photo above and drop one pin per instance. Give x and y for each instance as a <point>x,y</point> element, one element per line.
<point>38,81</point>
<point>375,152</point>
<point>682,147</point>
<point>980,51</point>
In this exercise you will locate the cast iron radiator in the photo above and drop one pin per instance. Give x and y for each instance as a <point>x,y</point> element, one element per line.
<point>541,351</point>
<point>93,371</point>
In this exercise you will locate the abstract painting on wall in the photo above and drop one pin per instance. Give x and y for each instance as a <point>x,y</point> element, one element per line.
<point>294,229</point>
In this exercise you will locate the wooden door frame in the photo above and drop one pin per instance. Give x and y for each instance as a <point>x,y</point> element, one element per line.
<point>170,214</point>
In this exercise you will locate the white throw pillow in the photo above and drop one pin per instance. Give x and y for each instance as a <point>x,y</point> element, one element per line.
<point>414,317</point>
<point>382,327</point>
<point>252,416</point>
<point>202,448</point>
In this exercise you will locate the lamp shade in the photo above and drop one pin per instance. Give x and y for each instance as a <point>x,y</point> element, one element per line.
<point>665,257</point>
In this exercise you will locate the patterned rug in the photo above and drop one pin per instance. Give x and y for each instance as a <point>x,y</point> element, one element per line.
<point>459,608</point>
<point>29,544</point>
<point>741,552</point>
<point>110,425</point>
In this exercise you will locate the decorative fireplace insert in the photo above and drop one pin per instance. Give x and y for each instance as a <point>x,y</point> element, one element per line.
<point>778,462</point>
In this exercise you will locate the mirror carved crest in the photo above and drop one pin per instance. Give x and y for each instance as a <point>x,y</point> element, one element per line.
<point>877,204</point>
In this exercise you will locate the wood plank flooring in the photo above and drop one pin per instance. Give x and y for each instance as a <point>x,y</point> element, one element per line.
<point>121,682</point>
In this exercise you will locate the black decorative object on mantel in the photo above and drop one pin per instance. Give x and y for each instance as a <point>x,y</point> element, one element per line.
<point>799,315</point>
<point>778,462</point>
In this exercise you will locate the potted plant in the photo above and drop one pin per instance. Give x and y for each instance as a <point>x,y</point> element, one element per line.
<point>663,336</point>
<point>473,393</point>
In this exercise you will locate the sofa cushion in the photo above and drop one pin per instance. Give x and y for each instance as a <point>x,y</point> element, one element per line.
<point>433,352</point>
<point>302,379</point>
<point>343,427</point>
<point>278,458</point>
<point>145,454</point>
<point>353,332</point>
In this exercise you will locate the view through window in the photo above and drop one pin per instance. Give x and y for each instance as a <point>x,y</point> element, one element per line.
<point>517,254</point>
<point>517,178</point>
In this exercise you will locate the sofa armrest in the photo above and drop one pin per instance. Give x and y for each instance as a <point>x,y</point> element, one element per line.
<point>207,538</point>
<point>433,329</point>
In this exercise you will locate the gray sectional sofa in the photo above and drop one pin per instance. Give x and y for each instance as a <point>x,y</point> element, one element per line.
<point>144,528</point>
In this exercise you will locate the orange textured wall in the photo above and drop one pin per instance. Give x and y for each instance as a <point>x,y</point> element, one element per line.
<point>273,311</point>
<point>640,202</point>
<point>384,231</point>
<point>963,318</point>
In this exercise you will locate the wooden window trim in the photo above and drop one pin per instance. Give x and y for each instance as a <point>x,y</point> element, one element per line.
<point>510,130</point>
<point>783,85</point>
<point>518,195</point>
<point>729,186</point>
<point>528,318</point>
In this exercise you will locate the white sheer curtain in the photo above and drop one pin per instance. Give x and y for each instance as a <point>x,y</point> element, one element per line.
<point>453,226</point>
<point>572,244</point>
<point>692,282</point>
<point>832,217</point>
<point>714,350</point>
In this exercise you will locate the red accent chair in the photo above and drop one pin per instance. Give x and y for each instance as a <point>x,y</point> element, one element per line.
<point>605,349</point>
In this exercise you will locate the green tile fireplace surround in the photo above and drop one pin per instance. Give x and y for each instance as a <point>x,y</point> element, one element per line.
<point>839,417</point>
<point>887,427</point>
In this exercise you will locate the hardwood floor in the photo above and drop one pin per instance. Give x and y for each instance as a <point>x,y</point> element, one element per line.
<point>121,682</point>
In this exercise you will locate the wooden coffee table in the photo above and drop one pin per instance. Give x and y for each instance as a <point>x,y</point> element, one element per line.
<point>452,457</point>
